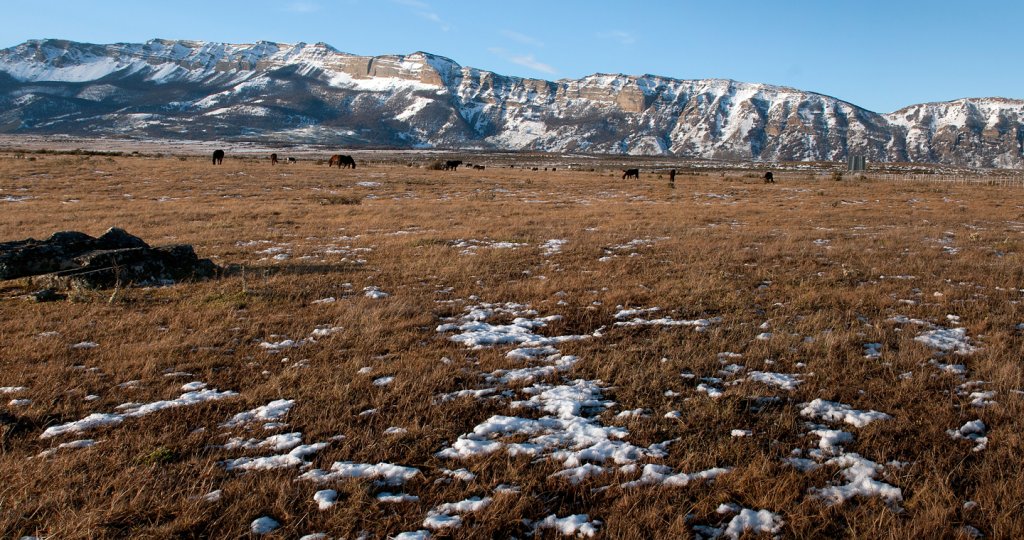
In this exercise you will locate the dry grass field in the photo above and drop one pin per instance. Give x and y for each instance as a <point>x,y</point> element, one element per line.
<point>513,353</point>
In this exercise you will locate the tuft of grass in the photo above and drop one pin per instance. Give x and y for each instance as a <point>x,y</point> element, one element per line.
<point>159,456</point>
<point>340,199</point>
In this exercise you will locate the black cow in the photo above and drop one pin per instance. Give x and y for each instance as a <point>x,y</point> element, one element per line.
<point>273,159</point>
<point>292,160</point>
<point>343,162</point>
<point>672,176</point>
<point>769,178</point>
<point>631,173</point>
<point>451,165</point>
<point>218,157</point>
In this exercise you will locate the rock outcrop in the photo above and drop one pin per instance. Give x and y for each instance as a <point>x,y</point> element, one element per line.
<point>72,259</point>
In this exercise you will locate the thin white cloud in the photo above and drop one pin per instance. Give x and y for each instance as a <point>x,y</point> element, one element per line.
<point>302,7</point>
<point>529,61</point>
<point>525,60</point>
<point>425,11</point>
<point>522,38</point>
<point>624,38</point>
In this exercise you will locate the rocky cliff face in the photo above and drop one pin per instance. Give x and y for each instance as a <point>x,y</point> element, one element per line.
<point>311,93</point>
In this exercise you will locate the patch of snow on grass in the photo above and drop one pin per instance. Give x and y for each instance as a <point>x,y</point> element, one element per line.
<point>627,313</point>
<point>973,431</point>
<point>983,399</point>
<point>760,521</point>
<point>575,475</point>
<point>780,380</point>
<point>578,524</point>
<point>393,498</point>
<point>264,525</point>
<point>73,445</point>
<point>385,473</point>
<point>374,292</point>
<point>278,443</point>
<point>840,412</point>
<point>295,458</point>
<point>947,340</point>
<point>413,535</point>
<point>700,325</point>
<point>572,436</point>
<point>96,420</point>
<point>662,475</point>
<point>474,332</point>
<point>460,474</point>
<point>860,474</point>
<point>271,412</point>
<point>325,498</point>
<point>552,246</point>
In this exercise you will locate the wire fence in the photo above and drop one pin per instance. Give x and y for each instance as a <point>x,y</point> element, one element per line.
<point>1004,181</point>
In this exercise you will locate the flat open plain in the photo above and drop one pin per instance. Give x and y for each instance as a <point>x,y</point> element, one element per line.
<point>507,352</point>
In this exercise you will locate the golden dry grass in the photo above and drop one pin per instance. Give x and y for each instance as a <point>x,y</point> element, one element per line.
<point>719,247</point>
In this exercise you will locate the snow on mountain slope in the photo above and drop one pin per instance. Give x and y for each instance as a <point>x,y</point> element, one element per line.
<point>313,93</point>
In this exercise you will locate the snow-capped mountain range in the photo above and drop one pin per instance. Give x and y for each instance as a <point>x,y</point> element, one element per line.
<point>314,94</point>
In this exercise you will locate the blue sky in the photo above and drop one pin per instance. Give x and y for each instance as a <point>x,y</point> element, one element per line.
<point>881,55</point>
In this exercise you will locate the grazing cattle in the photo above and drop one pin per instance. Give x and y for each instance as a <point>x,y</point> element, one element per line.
<point>479,167</point>
<point>631,173</point>
<point>769,178</point>
<point>218,157</point>
<point>451,165</point>
<point>273,159</point>
<point>343,162</point>
<point>292,160</point>
<point>672,176</point>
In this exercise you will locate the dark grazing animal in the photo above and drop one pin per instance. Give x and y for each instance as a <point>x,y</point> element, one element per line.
<point>672,176</point>
<point>769,178</point>
<point>218,157</point>
<point>292,160</point>
<point>451,165</point>
<point>273,159</point>
<point>343,162</point>
<point>631,173</point>
<point>479,167</point>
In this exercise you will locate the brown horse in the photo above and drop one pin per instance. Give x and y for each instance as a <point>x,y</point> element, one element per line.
<point>343,162</point>
<point>273,159</point>
<point>218,157</point>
